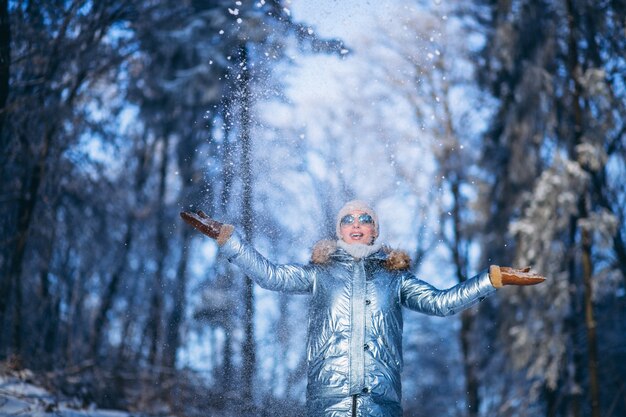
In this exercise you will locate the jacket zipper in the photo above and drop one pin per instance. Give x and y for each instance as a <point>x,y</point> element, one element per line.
<point>354,405</point>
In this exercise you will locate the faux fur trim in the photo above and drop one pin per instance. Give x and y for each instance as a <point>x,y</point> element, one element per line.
<point>397,260</point>
<point>359,250</point>
<point>495,276</point>
<point>225,232</point>
<point>322,251</point>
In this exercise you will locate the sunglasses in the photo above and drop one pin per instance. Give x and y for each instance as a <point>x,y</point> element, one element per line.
<point>363,219</point>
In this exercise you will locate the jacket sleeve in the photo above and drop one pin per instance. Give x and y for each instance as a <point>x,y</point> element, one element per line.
<point>289,278</point>
<point>418,295</point>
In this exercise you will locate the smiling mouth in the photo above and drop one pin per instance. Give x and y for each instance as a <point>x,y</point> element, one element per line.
<point>356,235</point>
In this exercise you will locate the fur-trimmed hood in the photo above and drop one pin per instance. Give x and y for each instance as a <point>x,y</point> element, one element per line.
<point>393,259</point>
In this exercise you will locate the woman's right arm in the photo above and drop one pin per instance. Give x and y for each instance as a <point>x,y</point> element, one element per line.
<point>289,278</point>
<point>285,278</point>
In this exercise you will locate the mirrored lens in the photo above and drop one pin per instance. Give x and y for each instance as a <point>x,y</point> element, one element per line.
<point>366,219</point>
<point>347,219</point>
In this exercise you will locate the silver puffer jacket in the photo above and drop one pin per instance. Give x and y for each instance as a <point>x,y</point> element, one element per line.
<point>354,346</point>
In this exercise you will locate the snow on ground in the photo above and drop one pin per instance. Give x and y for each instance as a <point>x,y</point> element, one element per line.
<point>21,398</point>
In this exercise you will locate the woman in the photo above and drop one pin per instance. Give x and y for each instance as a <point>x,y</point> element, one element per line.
<point>354,346</point>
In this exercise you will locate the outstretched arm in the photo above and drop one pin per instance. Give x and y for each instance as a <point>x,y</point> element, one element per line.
<point>423,297</point>
<point>420,296</point>
<point>284,278</point>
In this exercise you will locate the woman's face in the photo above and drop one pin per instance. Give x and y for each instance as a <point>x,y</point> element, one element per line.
<point>358,227</point>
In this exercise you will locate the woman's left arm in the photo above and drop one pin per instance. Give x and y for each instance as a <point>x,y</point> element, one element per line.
<point>418,295</point>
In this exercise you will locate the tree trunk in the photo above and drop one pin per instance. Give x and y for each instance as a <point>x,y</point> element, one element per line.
<point>585,236</point>
<point>172,337</point>
<point>592,342</point>
<point>249,345</point>
<point>227,158</point>
<point>227,365</point>
<point>156,301</point>
<point>47,317</point>
<point>574,328</point>
<point>467,316</point>
<point>454,175</point>
<point>71,335</point>
<point>5,62</point>
<point>469,367</point>
<point>27,207</point>
<point>227,372</point>
<point>100,322</point>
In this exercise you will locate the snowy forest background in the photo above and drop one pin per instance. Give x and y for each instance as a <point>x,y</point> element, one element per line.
<point>483,131</point>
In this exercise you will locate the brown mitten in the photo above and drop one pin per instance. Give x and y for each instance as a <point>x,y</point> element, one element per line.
<point>504,275</point>
<point>213,229</point>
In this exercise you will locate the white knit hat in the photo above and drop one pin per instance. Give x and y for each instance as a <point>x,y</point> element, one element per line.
<point>352,206</point>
